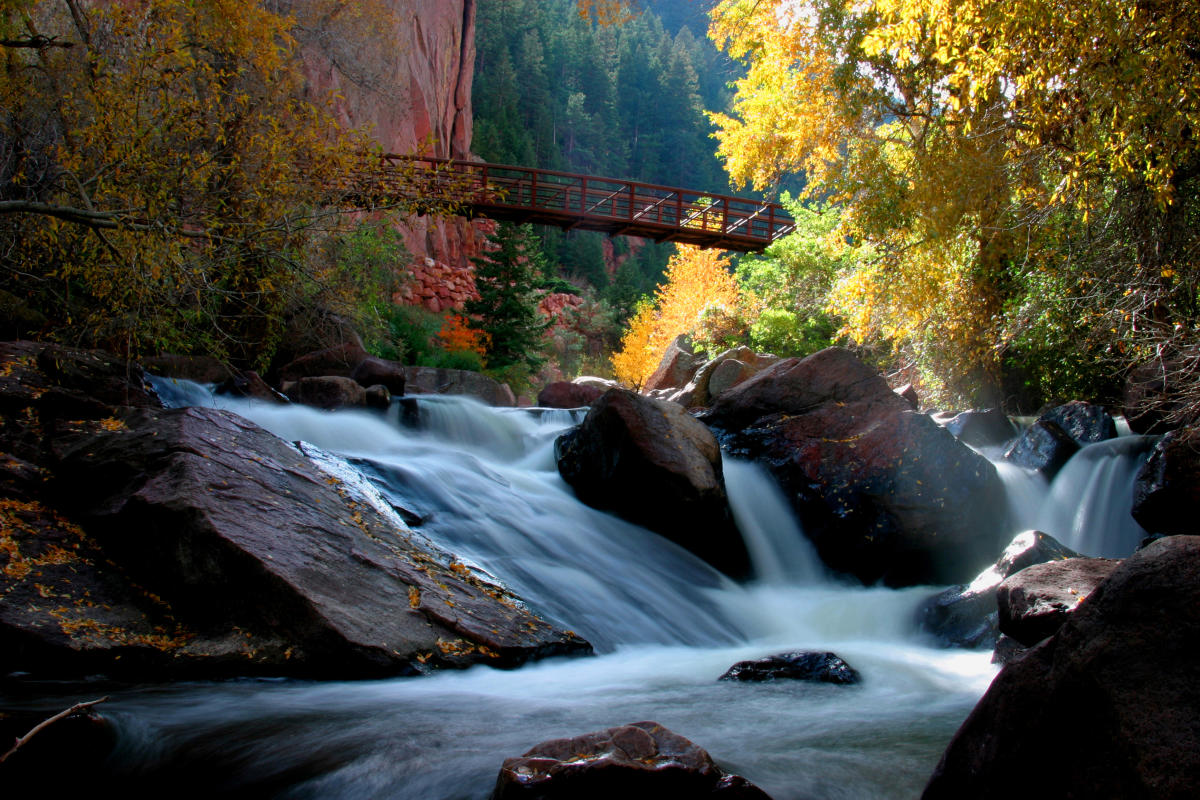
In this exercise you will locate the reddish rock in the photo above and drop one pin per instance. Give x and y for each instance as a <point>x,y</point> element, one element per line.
<point>651,463</point>
<point>640,760</point>
<point>563,394</point>
<point>729,373</point>
<point>1107,707</point>
<point>909,393</point>
<point>1035,602</point>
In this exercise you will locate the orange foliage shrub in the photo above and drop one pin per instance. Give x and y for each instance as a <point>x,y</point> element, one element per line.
<point>455,336</point>
<point>696,279</point>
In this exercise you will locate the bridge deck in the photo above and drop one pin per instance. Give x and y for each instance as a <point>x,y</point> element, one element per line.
<point>587,202</point>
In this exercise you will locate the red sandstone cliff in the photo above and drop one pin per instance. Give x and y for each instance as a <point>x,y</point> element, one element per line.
<point>404,69</point>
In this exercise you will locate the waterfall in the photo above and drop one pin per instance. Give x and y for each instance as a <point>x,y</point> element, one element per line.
<point>483,484</point>
<point>1088,504</point>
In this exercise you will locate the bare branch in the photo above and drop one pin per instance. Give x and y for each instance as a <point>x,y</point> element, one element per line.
<point>41,726</point>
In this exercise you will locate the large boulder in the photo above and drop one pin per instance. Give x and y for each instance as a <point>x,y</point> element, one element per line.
<point>699,391</point>
<point>1086,423</point>
<point>652,463</point>
<point>205,545</point>
<point>804,665</point>
<point>967,615</point>
<point>677,366</point>
<point>1167,491</point>
<point>339,360</point>
<point>1109,706</point>
<point>375,371</point>
<point>1035,602</point>
<point>201,369</point>
<point>436,380</point>
<point>1043,446</point>
<point>327,391</point>
<point>565,394</point>
<point>884,493</point>
<point>642,759</point>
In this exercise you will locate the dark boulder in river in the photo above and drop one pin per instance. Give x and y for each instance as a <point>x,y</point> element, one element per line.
<point>885,493</point>
<point>152,543</point>
<point>804,665</point>
<point>639,760</point>
<point>652,463</point>
<point>1167,492</point>
<point>1043,446</point>
<point>1109,706</point>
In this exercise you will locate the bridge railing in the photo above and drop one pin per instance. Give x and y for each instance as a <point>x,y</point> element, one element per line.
<point>608,204</point>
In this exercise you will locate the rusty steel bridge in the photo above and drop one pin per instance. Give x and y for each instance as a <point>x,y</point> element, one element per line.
<point>584,202</point>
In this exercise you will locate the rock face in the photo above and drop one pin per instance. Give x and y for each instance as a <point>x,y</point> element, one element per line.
<point>565,394</point>
<point>1035,602</point>
<point>651,463</point>
<point>884,493</point>
<point>805,665</point>
<point>967,615</point>
<point>642,759</point>
<point>1084,422</point>
<point>338,361</point>
<point>372,371</point>
<point>327,391</point>
<point>404,71</point>
<point>1167,492</point>
<point>699,392</point>
<point>149,543</point>
<point>1107,707</point>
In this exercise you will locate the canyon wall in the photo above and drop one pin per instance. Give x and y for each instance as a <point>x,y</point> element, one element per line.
<point>403,69</point>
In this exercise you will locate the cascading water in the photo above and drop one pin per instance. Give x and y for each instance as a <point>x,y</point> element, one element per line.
<point>484,484</point>
<point>1087,505</point>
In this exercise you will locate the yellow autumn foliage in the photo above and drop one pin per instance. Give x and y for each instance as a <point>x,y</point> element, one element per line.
<point>696,280</point>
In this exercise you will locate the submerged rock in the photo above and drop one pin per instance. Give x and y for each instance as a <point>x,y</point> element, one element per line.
<point>1035,602</point>
<point>885,494</point>
<point>804,665</point>
<point>1107,707</point>
<point>967,615</point>
<point>639,760</point>
<point>653,464</point>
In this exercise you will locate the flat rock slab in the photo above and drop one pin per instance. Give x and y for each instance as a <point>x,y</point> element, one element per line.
<point>234,528</point>
<point>642,759</point>
<point>806,665</point>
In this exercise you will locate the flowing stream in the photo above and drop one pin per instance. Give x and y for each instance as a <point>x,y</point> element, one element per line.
<point>665,626</point>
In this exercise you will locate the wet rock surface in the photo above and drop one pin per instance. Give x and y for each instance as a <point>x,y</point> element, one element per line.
<point>651,463</point>
<point>967,615</point>
<point>885,494</point>
<point>1167,491</point>
<point>642,759</point>
<point>1109,706</point>
<point>1035,602</point>
<point>1043,446</point>
<point>1086,423</point>
<point>805,665</point>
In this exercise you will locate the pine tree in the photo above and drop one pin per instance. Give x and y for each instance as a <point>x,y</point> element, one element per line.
<point>506,277</point>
